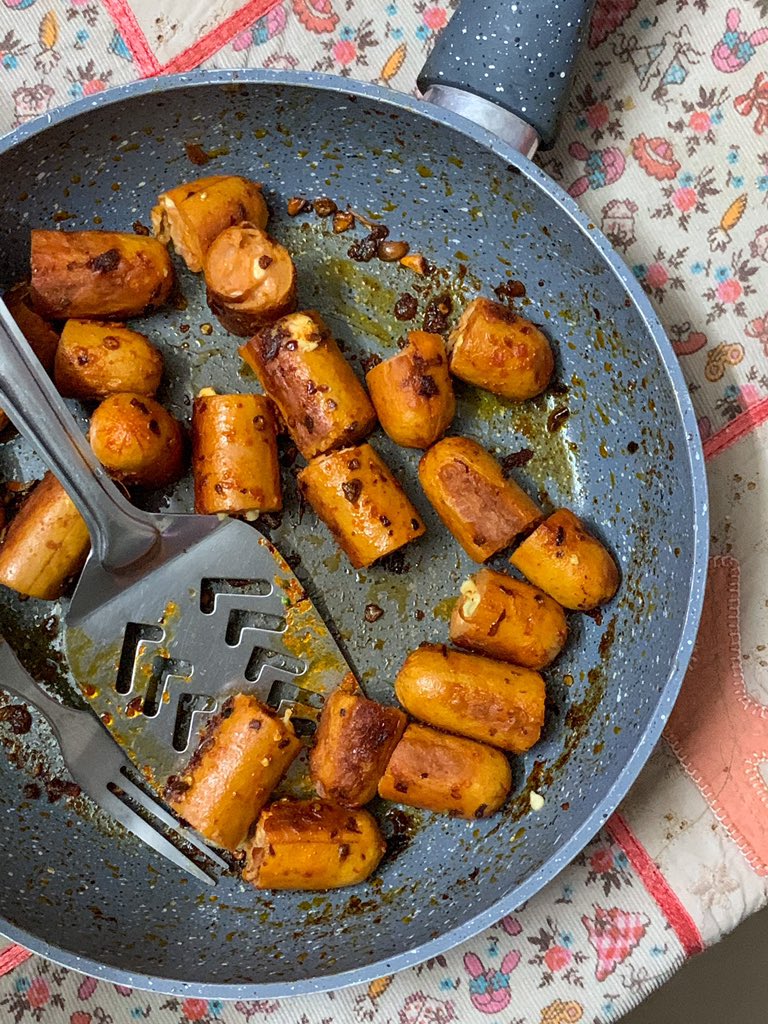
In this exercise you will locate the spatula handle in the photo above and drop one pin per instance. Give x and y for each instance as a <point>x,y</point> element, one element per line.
<point>120,533</point>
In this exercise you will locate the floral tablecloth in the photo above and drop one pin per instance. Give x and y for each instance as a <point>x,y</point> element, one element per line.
<point>665,145</point>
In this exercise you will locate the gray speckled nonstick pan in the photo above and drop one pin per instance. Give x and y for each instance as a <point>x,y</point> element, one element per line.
<point>627,459</point>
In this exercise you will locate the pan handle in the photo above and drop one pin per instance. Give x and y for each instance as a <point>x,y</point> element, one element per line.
<point>120,533</point>
<point>507,65</point>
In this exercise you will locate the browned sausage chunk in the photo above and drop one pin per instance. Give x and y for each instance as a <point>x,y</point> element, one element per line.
<point>504,618</point>
<point>312,844</point>
<point>354,740</point>
<point>98,274</point>
<point>412,392</point>
<point>46,543</point>
<point>250,278</point>
<point>322,402</point>
<point>443,773</point>
<point>193,215</point>
<point>234,455</point>
<point>95,359</point>
<point>137,440</point>
<point>494,348</point>
<point>483,511</point>
<point>243,754</point>
<point>40,336</point>
<point>568,563</point>
<point>355,494</point>
<point>486,700</point>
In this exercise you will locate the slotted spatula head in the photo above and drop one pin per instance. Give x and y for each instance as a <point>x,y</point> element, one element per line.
<point>213,611</point>
<point>172,613</point>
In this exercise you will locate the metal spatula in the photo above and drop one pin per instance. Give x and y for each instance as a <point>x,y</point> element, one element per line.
<point>101,769</point>
<point>172,612</point>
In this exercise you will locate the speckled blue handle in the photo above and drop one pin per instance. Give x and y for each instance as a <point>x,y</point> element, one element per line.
<point>518,54</point>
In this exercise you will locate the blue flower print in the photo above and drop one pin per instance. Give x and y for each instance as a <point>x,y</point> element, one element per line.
<point>722,274</point>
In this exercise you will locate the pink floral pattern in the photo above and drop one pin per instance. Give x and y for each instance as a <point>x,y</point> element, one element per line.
<point>663,144</point>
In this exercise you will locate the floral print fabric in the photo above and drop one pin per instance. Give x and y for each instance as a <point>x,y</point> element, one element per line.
<point>665,145</point>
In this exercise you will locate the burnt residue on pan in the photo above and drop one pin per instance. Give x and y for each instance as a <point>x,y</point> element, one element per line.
<point>617,459</point>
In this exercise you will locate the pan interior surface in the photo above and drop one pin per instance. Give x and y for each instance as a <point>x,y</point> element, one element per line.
<point>619,456</point>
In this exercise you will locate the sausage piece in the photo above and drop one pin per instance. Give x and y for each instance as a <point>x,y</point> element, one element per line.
<point>137,440</point>
<point>40,336</point>
<point>312,844</point>
<point>250,279</point>
<point>95,359</point>
<point>46,543</point>
<point>412,392</point>
<point>234,455</point>
<point>98,274</point>
<point>243,753</point>
<point>504,618</point>
<point>486,700</point>
<point>353,743</point>
<point>192,215</point>
<point>494,348</point>
<point>447,774</point>
<point>466,485</point>
<point>355,494</point>
<point>568,563</point>
<point>301,368</point>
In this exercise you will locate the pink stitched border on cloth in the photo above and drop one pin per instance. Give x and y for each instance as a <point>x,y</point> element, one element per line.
<point>11,957</point>
<point>200,51</point>
<point>736,429</point>
<point>657,885</point>
<point>133,37</point>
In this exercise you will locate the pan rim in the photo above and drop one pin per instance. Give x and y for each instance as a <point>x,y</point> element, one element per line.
<point>646,740</point>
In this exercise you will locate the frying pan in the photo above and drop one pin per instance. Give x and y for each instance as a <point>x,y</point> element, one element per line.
<point>627,459</point>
